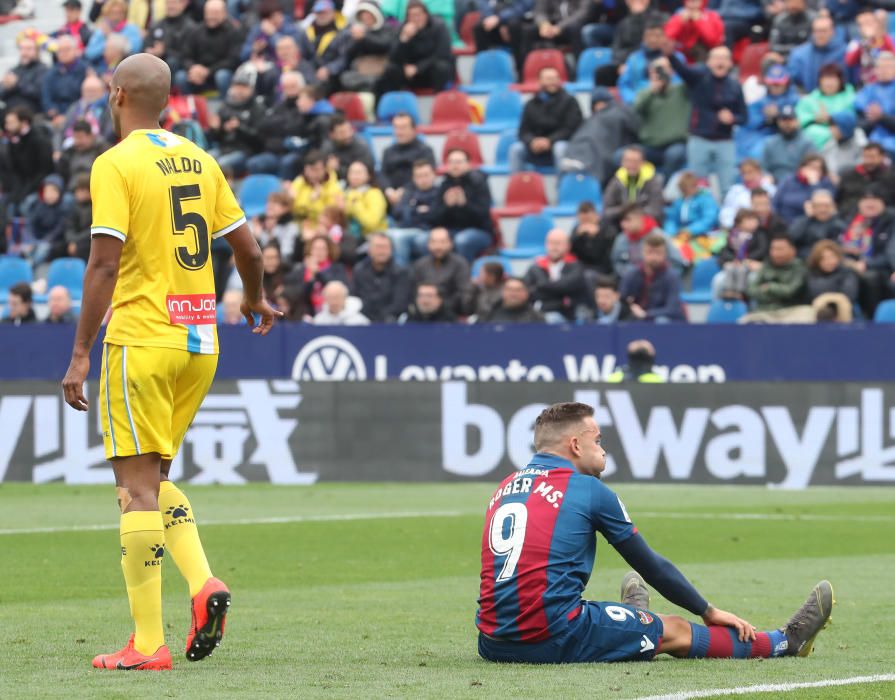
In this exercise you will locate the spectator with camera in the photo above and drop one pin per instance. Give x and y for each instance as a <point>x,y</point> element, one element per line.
<point>663,108</point>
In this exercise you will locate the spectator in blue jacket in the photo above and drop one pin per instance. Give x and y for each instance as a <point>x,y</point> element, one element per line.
<point>113,21</point>
<point>262,38</point>
<point>784,151</point>
<point>795,190</point>
<point>46,220</point>
<point>824,47</point>
<point>780,93</point>
<point>652,289</point>
<point>718,106</point>
<point>635,76</point>
<point>875,104</point>
<point>62,83</point>
<point>694,212</point>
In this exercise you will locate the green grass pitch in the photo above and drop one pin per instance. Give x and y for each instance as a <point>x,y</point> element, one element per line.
<point>361,606</point>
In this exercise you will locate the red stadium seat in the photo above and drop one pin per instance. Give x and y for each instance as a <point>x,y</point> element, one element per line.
<point>350,104</point>
<point>466,142</point>
<point>750,62</point>
<point>470,19</point>
<point>450,110</point>
<point>525,195</point>
<point>535,62</point>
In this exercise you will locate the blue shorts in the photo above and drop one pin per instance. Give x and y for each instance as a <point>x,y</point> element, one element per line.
<point>602,632</point>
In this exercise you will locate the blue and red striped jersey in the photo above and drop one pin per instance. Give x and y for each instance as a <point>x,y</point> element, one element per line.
<point>539,546</point>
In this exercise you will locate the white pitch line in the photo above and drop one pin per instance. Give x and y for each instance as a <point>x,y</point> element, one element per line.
<point>325,518</point>
<point>773,687</point>
<point>338,517</point>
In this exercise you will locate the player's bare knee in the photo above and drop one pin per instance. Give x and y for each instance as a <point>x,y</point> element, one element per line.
<point>124,498</point>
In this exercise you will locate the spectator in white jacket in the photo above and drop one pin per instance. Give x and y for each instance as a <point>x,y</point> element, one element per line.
<point>339,309</point>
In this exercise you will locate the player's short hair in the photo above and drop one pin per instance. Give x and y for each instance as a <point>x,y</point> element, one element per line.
<point>554,421</point>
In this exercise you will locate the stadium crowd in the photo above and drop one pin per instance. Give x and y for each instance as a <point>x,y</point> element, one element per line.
<point>752,138</point>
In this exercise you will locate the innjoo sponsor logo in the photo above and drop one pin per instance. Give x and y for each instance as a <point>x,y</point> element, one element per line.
<point>192,309</point>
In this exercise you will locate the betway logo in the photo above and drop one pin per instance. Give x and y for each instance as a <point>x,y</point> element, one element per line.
<point>732,442</point>
<point>192,309</point>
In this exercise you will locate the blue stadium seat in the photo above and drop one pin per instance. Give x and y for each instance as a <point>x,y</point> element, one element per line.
<point>69,273</point>
<point>501,164</point>
<point>254,193</point>
<point>390,104</point>
<point>575,188</point>
<point>492,70</point>
<point>533,229</point>
<point>885,312</point>
<point>12,271</point>
<point>503,111</point>
<point>479,263</point>
<point>701,283</point>
<point>727,311</point>
<point>588,62</point>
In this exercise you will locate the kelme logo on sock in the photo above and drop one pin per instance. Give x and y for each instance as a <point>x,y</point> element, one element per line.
<point>158,553</point>
<point>178,514</point>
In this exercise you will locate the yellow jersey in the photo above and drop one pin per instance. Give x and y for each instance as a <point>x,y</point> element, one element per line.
<point>166,199</point>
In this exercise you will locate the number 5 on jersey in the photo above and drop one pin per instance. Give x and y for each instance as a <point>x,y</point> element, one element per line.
<point>507,535</point>
<point>181,221</point>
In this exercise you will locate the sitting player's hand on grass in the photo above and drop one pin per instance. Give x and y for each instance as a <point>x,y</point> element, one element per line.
<point>261,308</point>
<point>721,618</point>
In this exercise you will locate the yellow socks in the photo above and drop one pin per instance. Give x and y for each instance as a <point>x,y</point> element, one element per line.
<point>182,536</point>
<point>142,553</point>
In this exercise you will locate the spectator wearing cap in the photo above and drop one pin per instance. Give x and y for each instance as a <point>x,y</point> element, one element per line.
<point>113,21</point>
<point>211,53</point>
<point>62,83</point>
<point>19,307</point>
<point>59,306</point>
<point>261,41</point>
<point>74,26</point>
<point>549,120</point>
<point>21,85</point>
<point>871,41</point>
<point>556,280</point>
<point>26,160</point>
<point>824,48</point>
<point>739,196</point>
<point>796,189</point>
<point>825,112</point>
<point>78,157</point>
<point>782,152</point>
<point>718,106</point>
<point>781,280</point>
<point>695,30</point>
<point>875,104</point>
<point>651,287</point>
<point>635,76</point>
<point>421,57</point>
<point>322,46</point>
<point>872,170</point>
<point>790,27</point>
<point>763,112</point>
<point>500,26</point>
<point>821,222</point>
<point>363,49</point>
<point>234,129</point>
<point>635,182</point>
<point>664,111</point>
<point>869,245</point>
<point>166,38</point>
<point>593,146</point>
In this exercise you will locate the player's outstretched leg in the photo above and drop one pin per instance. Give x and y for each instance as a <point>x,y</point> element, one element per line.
<point>210,596</point>
<point>634,591</point>
<point>807,622</point>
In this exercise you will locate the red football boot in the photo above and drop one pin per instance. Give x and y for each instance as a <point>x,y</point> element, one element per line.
<point>210,607</point>
<point>129,659</point>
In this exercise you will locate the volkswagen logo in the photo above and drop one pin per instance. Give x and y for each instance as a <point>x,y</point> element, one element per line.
<point>329,358</point>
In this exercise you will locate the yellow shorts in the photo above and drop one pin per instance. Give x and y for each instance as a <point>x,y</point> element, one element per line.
<point>149,396</point>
